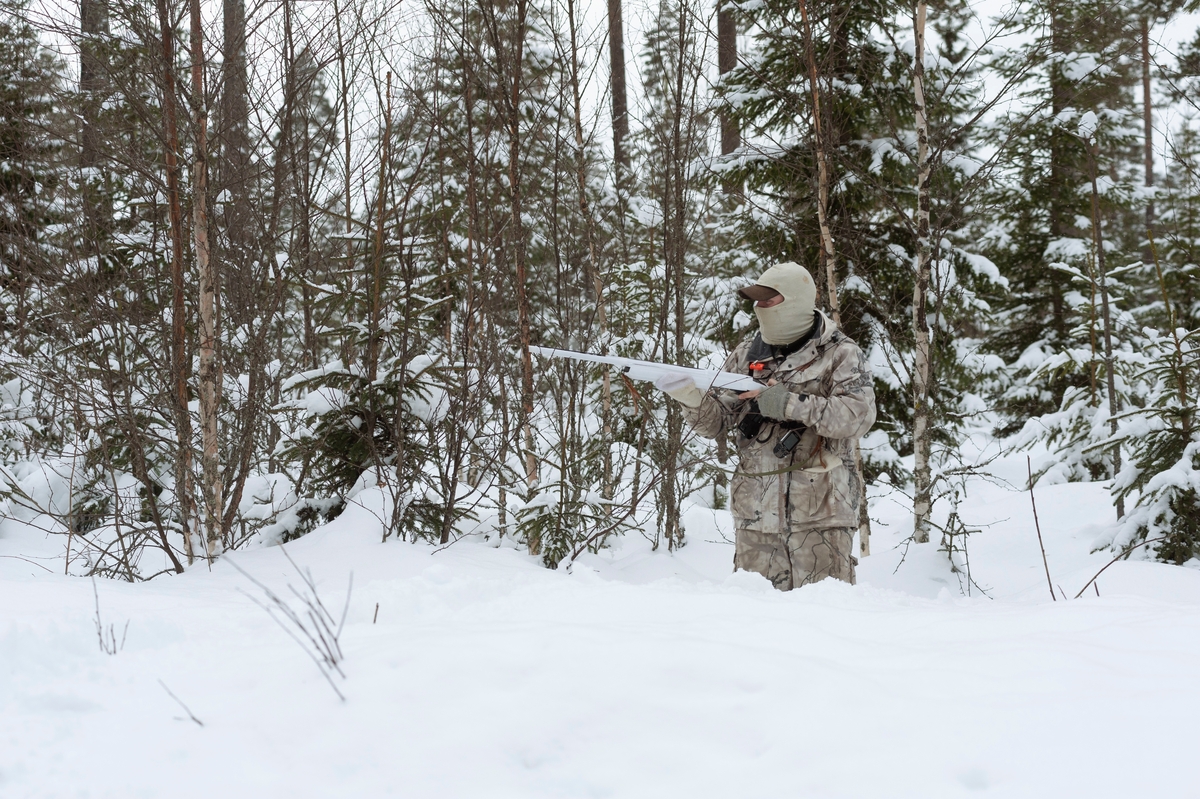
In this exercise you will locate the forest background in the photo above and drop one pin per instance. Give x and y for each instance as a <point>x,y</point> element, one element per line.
<point>256,259</point>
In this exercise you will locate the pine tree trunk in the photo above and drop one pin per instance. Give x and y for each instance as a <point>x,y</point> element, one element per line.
<point>620,104</point>
<point>731,134</point>
<point>206,278</point>
<point>1061,173</point>
<point>922,366</point>
<point>234,103</point>
<point>620,124</point>
<point>184,491</point>
<point>233,169</point>
<point>97,212</point>
<point>1148,127</point>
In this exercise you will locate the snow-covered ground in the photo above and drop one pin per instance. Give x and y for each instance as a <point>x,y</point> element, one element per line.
<point>637,674</point>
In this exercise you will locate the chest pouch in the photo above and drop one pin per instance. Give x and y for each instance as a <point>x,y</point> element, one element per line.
<point>752,422</point>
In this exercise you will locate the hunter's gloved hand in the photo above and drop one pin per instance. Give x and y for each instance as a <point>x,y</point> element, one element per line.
<point>681,388</point>
<point>772,402</point>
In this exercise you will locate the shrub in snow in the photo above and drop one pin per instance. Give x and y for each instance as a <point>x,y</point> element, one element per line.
<point>1163,473</point>
<point>344,426</point>
<point>1078,435</point>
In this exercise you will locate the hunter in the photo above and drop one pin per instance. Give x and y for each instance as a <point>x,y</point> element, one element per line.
<point>795,491</point>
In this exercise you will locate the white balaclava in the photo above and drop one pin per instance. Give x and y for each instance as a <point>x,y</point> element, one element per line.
<point>789,320</point>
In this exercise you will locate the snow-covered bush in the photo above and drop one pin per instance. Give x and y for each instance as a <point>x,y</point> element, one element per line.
<point>342,425</point>
<point>1163,472</point>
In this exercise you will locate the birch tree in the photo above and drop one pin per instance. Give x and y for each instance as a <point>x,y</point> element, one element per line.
<point>208,288</point>
<point>922,362</point>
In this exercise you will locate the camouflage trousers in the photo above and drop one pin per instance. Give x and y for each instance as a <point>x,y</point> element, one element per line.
<point>792,559</point>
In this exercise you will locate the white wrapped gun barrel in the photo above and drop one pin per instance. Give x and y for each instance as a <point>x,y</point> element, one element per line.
<point>652,372</point>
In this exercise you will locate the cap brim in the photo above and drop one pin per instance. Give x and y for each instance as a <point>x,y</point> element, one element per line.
<point>757,293</point>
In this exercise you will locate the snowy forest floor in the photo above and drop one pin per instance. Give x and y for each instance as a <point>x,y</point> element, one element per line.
<point>636,674</point>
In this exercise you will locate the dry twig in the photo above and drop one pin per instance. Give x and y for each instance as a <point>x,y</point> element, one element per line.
<point>186,709</point>
<point>311,626</point>
<point>1036,524</point>
<point>107,638</point>
<point>1124,554</point>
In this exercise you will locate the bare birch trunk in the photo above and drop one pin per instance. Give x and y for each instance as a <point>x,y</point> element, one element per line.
<point>179,361</point>
<point>206,277</point>
<point>922,366</point>
<point>1114,405</point>
<point>506,433</point>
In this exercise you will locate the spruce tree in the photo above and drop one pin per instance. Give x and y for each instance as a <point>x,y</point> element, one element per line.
<point>1080,54</point>
<point>31,176</point>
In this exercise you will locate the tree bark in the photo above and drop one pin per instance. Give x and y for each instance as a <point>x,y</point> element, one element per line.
<point>922,366</point>
<point>731,134</point>
<point>234,102</point>
<point>207,279</point>
<point>234,140</point>
<point>232,172</point>
<point>179,362</point>
<point>1061,173</point>
<point>620,105</point>
<point>97,212</point>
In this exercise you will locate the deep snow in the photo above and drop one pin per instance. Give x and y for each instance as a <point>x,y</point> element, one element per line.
<point>636,674</point>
